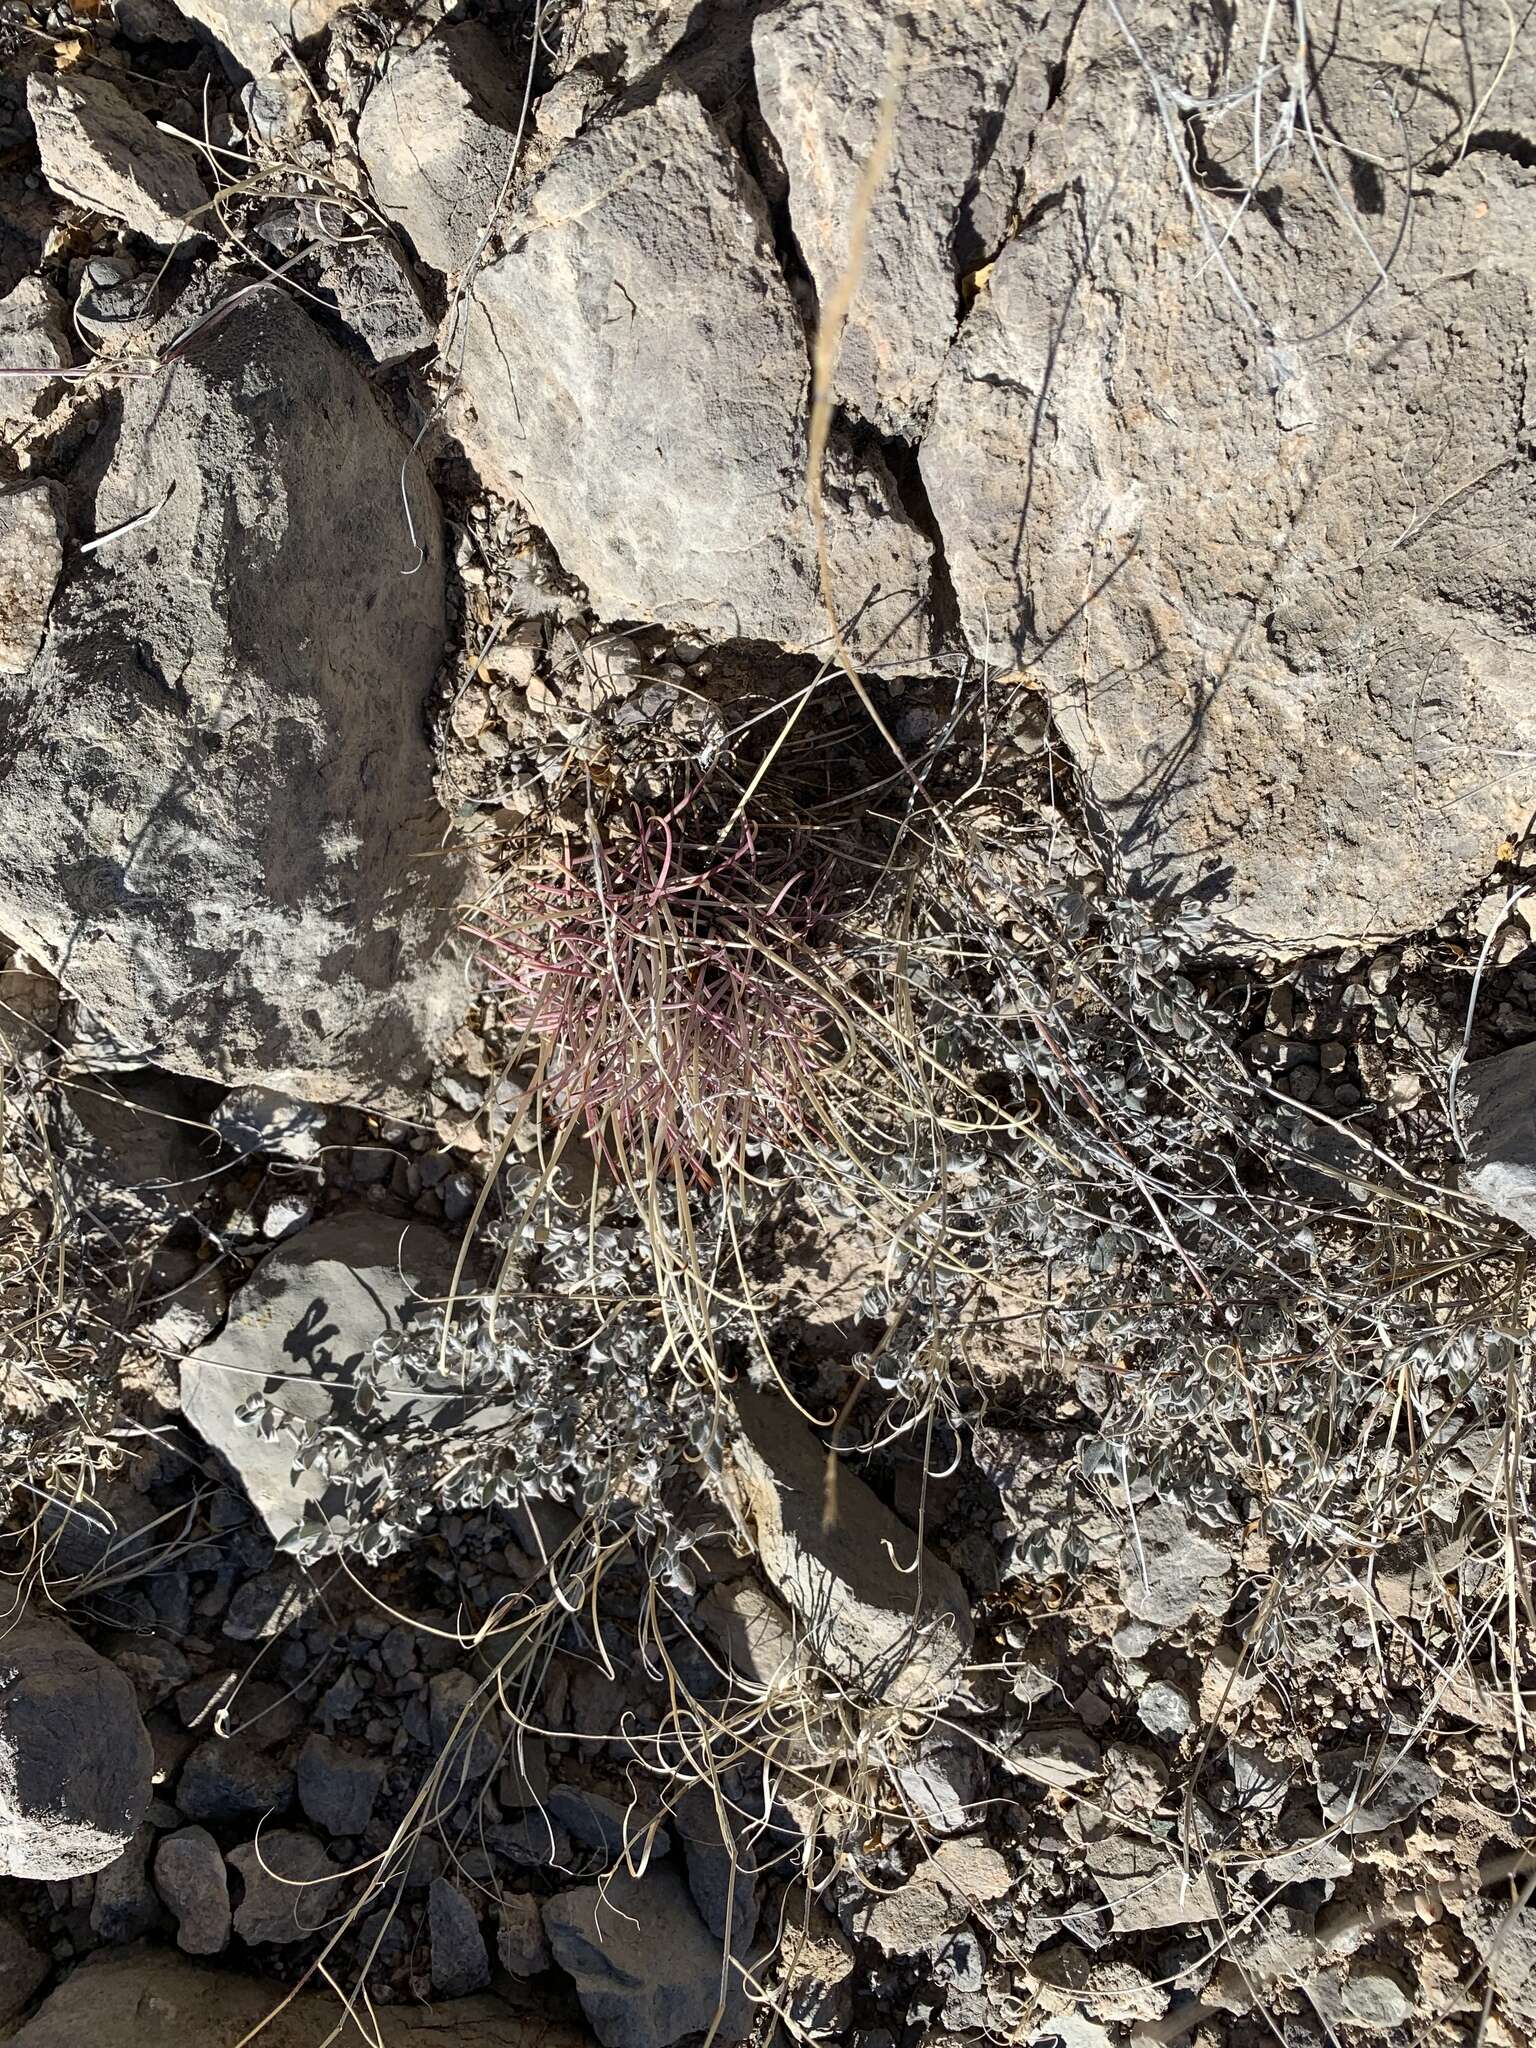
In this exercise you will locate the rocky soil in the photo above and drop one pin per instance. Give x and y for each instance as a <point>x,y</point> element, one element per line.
<point>767,1023</point>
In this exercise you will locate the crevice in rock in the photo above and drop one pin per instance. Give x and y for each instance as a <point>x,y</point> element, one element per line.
<point>900,458</point>
<point>1212,176</point>
<point>758,148</point>
<point>971,250</point>
<point>1506,142</point>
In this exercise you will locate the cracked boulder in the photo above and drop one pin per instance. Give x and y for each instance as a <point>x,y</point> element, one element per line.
<point>1260,521</point>
<point>638,376</point>
<point>233,853</point>
<point>836,79</point>
<point>437,136</point>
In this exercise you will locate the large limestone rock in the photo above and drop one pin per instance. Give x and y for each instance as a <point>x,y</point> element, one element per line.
<point>825,71</point>
<point>437,136</point>
<point>75,1762</point>
<point>103,153</point>
<point>639,377</point>
<point>311,1311</point>
<point>232,852</point>
<point>147,1998</point>
<point>1276,565</point>
<point>843,1562</point>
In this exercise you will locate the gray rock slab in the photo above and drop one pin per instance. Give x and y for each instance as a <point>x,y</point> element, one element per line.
<point>636,372</point>
<point>886,1630</point>
<point>233,838</point>
<point>1496,1108</point>
<point>289,1882</point>
<point>437,136</point>
<point>309,1312</point>
<point>1303,694</point>
<point>825,70</point>
<point>645,1967</point>
<point>102,153</point>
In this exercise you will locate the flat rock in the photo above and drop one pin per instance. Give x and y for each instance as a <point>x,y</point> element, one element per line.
<point>1371,1998</point>
<point>146,1998</point>
<point>31,562</point>
<point>290,1883</point>
<point>437,137</point>
<point>247,31</point>
<point>1496,1109</point>
<point>1169,1570</point>
<point>1060,1757</point>
<point>233,837</point>
<point>915,1919</point>
<point>152,1997</point>
<point>945,1782</point>
<point>1366,1789</point>
<point>889,1633</point>
<point>194,1886</point>
<point>824,68</point>
<point>645,1967</point>
<point>1331,631</point>
<point>722,1864</point>
<point>638,375</point>
<point>266,1120</point>
<point>311,1310</point>
<point>75,1762</point>
<point>1145,1883</point>
<point>603,1824</point>
<point>102,153</point>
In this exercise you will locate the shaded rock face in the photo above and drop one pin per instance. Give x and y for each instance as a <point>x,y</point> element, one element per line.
<point>1258,522</point>
<point>75,1761</point>
<point>1496,1102</point>
<point>646,1969</point>
<point>233,854</point>
<point>640,378</point>
<point>309,1312</point>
